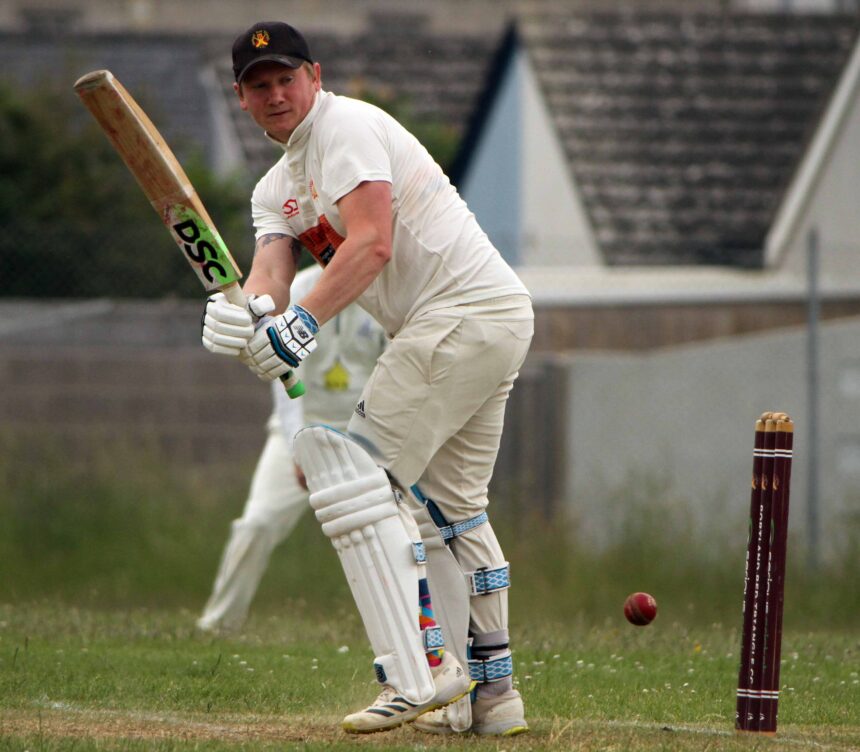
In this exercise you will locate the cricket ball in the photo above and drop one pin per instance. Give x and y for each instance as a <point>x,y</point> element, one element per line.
<point>640,609</point>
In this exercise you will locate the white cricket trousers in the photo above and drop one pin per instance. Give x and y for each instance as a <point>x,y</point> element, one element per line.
<point>434,408</point>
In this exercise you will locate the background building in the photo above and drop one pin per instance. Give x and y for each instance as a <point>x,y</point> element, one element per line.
<point>674,181</point>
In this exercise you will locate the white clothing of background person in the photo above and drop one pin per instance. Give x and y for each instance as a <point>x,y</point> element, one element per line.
<point>277,499</point>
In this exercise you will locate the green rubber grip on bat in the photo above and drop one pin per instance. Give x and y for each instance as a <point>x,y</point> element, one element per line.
<point>295,387</point>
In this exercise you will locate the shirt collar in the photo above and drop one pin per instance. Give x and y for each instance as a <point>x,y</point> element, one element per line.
<point>300,135</point>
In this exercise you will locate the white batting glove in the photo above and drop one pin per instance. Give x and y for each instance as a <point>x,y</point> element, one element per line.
<point>228,328</point>
<point>281,343</point>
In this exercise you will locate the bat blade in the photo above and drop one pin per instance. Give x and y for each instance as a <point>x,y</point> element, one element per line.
<point>160,176</point>
<point>165,184</point>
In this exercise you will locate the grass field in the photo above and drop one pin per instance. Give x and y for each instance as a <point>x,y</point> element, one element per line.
<point>142,679</point>
<point>103,570</point>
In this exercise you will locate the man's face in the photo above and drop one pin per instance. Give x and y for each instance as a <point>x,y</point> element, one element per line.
<point>278,97</point>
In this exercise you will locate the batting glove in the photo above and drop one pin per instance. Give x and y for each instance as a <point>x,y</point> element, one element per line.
<point>228,328</point>
<point>281,343</point>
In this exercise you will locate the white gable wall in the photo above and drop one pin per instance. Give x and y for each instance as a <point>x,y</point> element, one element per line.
<point>492,185</point>
<point>518,183</point>
<point>555,227</point>
<point>824,192</point>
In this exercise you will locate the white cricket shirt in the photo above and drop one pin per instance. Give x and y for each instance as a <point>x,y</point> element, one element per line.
<point>440,256</point>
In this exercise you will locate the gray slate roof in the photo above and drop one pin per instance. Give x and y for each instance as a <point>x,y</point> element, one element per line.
<point>161,71</point>
<point>683,130</point>
<point>436,77</point>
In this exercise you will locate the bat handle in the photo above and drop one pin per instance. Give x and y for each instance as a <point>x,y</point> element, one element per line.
<point>292,383</point>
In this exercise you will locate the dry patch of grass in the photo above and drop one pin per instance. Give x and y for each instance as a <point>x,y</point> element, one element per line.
<point>48,728</point>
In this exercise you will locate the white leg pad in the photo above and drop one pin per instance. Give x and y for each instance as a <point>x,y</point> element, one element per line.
<point>451,602</point>
<point>354,501</point>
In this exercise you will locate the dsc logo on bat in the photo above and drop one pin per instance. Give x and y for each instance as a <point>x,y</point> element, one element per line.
<point>202,245</point>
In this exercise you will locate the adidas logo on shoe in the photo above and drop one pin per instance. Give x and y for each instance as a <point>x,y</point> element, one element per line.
<point>391,709</point>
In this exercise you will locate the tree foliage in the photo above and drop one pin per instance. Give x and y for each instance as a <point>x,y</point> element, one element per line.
<point>75,223</point>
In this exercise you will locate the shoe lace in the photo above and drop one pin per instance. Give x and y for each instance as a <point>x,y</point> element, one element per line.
<point>385,696</point>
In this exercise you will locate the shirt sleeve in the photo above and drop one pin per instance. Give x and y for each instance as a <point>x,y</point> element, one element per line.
<point>355,151</point>
<point>267,213</point>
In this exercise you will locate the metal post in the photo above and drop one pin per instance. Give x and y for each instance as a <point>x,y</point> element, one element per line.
<point>812,357</point>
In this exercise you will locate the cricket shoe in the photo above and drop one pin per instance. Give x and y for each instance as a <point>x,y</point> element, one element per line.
<point>500,715</point>
<point>390,710</point>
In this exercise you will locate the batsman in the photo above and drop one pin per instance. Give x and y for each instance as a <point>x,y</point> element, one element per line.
<point>403,493</point>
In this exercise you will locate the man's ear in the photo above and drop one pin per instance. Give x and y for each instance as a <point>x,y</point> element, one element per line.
<point>238,89</point>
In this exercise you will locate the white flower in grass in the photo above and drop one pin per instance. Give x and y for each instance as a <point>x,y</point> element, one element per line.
<point>343,649</point>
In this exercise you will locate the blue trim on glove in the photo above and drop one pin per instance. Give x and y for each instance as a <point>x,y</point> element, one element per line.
<point>307,318</point>
<point>278,347</point>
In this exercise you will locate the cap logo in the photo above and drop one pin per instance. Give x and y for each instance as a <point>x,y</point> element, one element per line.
<point>260,39</point>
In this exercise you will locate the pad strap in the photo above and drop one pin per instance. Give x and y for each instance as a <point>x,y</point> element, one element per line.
<point>448,530</point>
<point>483,670</point>
<point>485,581</point>
<point>433,639</point>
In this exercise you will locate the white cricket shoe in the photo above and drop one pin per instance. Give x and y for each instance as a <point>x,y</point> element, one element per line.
<point>390,710</point>
<point>502,715</point>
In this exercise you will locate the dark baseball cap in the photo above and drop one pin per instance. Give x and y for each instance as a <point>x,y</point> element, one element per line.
<point>269,41</point>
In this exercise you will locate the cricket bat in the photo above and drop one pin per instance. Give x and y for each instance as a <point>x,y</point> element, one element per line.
<point>167,187</point>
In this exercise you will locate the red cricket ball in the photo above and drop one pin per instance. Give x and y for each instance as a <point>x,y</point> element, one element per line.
<point>640,609</point>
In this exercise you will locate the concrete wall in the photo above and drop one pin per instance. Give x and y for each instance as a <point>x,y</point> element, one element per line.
<point>595,437</point>
<point>674,428</point>
<point>133,373</point>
